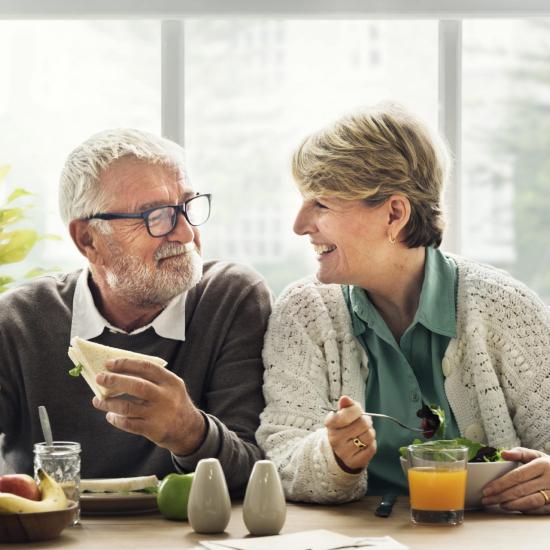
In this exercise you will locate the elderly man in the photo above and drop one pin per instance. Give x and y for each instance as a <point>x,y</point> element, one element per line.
<point>134,214</point>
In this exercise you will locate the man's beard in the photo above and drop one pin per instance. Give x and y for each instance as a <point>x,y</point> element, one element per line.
<point>145,287</point>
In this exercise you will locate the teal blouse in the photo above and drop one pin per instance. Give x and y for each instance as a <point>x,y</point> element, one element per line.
<point>405,376</point>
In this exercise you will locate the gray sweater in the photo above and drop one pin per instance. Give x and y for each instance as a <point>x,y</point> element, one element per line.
<point>220,361</point>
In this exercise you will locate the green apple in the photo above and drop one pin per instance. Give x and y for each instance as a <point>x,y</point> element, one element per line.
<point>173,495</point>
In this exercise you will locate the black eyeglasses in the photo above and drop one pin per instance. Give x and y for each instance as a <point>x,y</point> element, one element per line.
<point>162,220</point>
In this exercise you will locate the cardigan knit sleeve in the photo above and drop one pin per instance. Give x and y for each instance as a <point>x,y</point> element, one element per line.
<point>308,363</point>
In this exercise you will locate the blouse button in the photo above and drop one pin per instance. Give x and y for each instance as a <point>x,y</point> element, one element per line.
<point>475,433</point>
<point>415,396</point>
<point>446,366</point>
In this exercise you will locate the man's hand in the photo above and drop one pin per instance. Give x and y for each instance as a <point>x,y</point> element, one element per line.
<point>520,489</point>
<point>163,411</point>
<point>344,427</point>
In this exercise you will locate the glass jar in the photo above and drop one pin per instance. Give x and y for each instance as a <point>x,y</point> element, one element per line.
<point>61,461</point>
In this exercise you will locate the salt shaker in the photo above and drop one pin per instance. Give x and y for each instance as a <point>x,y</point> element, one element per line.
<point>209,507</point>
<point>264,509</point>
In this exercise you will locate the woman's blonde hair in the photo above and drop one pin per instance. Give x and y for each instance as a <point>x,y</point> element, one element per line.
<point>373,153</point>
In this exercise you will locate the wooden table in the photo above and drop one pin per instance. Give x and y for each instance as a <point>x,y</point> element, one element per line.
<point>489,529</point>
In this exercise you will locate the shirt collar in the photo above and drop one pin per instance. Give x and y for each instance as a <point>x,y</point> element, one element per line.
<point>88,323</point>
<point>436,310</point>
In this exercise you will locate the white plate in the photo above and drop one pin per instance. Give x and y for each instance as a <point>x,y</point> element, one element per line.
<point>115,503</point>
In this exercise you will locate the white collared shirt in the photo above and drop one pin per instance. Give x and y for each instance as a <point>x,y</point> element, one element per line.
<point>87,322</point>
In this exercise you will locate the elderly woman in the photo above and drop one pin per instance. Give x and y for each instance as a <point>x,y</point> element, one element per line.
<point>390,323</point>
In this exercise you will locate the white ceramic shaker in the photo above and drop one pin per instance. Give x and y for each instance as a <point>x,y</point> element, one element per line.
<point>209,507</point>
<point>264,509</point>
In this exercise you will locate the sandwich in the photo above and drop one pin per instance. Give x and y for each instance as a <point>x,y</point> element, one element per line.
<point>144,484</point>
<point>90,359</point>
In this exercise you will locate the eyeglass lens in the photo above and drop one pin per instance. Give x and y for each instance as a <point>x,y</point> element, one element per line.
<point>162,220</point>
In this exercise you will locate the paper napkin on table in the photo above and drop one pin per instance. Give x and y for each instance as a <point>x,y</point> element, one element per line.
<point>308,540</point>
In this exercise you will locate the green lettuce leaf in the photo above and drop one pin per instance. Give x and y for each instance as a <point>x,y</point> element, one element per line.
<point>153,490</point>
<point>477,452</point>
<point>403,450</point>
<point>77,370</point>
<point>433,421</point>
<point>473,448</point>
<point>440,413</point>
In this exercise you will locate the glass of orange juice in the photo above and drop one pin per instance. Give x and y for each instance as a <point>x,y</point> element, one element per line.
<point>437,482</point>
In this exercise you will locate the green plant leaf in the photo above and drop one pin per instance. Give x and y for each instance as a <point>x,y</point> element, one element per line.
<point>50,237</point>
<point>37,272</point>
<point>6,280</point>
<point>4,288</point>
<point>19,245</point>
<point>19,193</point>
<point>4,171</point>
<point>10,216</point>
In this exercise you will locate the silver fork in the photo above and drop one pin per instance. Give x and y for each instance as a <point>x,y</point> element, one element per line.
<point>420,430</point>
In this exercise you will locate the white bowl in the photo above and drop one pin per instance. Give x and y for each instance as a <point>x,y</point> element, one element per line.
<point>479,474</point>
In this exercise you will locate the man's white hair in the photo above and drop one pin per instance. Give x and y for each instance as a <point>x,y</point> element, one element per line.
<point>80,193</point>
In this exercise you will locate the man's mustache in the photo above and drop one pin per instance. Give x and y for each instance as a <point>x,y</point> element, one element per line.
<point>173,249</point>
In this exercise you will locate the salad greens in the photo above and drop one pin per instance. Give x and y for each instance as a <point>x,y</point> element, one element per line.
<point>477,452</point>
<point>153,490</point>
<point>433,420</point>
<point>77,370</point>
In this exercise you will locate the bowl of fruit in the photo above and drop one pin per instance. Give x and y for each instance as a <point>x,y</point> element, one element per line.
<point>29,513</point>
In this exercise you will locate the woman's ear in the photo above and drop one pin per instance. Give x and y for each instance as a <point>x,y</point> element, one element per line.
<point>87,240</point>
<point>399,213</point>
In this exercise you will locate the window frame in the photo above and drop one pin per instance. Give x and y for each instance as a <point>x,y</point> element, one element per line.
<point>172,15</point>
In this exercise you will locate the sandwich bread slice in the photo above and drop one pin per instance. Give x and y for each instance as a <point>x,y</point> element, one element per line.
<point>120,485</point>
<point>90,359</point>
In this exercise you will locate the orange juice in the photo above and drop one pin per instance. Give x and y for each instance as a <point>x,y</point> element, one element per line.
<point>437,488</point>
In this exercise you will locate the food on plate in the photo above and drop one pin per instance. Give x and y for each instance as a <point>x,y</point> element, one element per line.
<point>123,485</point>
<point>433,420</point>
<point>173,495</point>
<point>52,497</point>
<point>21,485</point>
<point>477,452</point>
<point>90,359</point>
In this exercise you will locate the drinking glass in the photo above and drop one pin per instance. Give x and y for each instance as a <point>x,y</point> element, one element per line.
<point>61,461</point>
<point>437,482</point>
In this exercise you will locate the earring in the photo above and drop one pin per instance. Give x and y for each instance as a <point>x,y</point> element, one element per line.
<point>392,240</point>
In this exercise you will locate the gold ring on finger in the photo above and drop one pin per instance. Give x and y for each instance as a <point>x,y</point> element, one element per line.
<point>543,493</point>
<point>360,445</point>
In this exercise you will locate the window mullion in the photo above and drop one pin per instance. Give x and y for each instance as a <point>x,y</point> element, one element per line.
<point>450,121</point>
<point>173,81</point>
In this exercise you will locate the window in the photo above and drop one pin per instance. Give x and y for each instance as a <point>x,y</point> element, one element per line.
<point>63,81</point>
<point>243,119</point>
<point>506,148</point>
<point>255,87</point>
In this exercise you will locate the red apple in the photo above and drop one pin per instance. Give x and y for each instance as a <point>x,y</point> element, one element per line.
<point>21,485</point>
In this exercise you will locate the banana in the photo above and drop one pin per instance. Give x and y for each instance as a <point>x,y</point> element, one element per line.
<point>52,497</point>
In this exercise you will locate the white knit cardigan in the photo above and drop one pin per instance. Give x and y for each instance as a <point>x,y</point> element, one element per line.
<point>497,384</point>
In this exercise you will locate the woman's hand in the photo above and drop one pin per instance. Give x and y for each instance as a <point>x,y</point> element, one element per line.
<point>519,490</point>
<point>344,427</point>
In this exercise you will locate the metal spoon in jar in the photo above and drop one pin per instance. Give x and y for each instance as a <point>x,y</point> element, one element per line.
<point>46,428</point>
